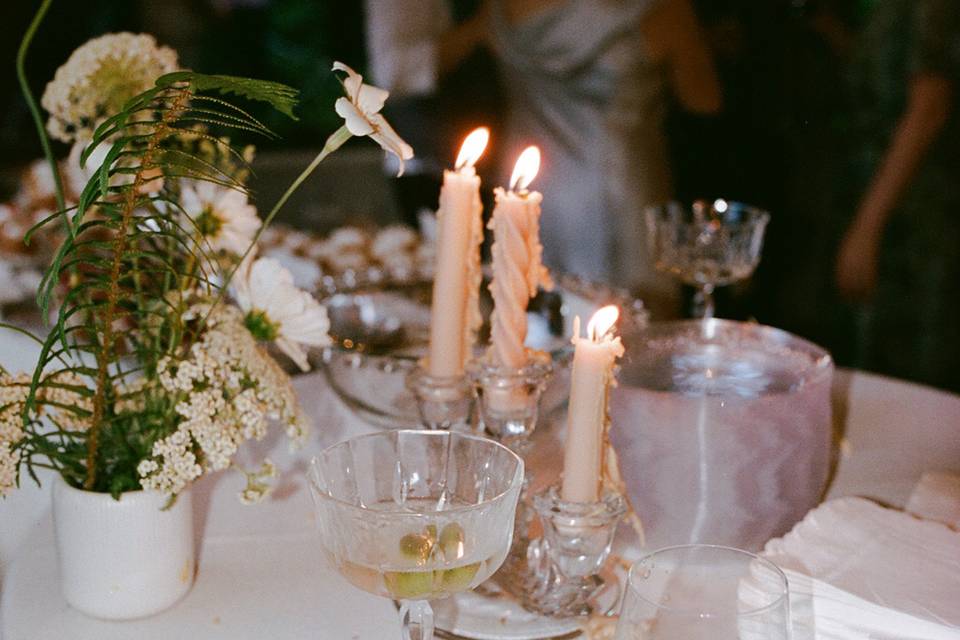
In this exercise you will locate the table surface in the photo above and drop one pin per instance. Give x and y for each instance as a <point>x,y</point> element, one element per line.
<point>261,572</point>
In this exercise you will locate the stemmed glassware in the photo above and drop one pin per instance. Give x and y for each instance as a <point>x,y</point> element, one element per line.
<point>416,515</point>
<point>706,245</point>
<point>705,592</point>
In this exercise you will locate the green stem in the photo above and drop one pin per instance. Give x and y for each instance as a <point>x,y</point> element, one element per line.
<point>334,142</point>
<point>35,110</point>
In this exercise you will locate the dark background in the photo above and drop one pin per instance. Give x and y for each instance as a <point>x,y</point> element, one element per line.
<point>290,41</point>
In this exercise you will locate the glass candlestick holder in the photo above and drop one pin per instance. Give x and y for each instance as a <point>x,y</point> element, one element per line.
<point>443,402</point>
<point>508,398</point>
<point>560,572</point>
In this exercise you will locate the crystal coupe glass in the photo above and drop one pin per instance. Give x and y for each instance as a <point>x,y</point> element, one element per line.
<point>416,515</point>
<point>706,245</point>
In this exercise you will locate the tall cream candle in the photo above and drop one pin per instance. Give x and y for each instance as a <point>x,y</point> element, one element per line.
<point>516,256</point>
<point>593,360</point>
<point>455,314</point>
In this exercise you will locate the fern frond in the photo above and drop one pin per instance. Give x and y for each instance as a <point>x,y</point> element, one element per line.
<point>279,96</point>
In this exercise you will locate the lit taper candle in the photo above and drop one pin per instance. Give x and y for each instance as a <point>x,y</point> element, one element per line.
<point>593,361</point>
<point>455,314</point>
<point>516,255</point>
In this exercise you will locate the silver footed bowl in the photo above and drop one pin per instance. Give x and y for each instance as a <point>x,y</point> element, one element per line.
<point>381,330</point>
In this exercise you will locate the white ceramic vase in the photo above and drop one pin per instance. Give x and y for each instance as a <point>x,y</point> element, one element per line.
<point>123,559</point>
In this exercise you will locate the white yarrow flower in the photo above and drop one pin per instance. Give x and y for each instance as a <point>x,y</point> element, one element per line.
<point>231,389</point>
<point>275,309</point>
<point>361,113</point>
<point>223,216</point>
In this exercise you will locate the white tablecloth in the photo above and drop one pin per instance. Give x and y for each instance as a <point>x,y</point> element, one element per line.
<point>261,574</point>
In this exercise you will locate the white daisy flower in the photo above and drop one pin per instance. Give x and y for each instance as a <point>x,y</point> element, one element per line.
<point>275,309</point>
<point>222,215</point>
<point>361,113</point>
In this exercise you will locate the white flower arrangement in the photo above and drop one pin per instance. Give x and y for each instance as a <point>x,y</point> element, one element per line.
<point>228,389</point>
<point>151,376</point>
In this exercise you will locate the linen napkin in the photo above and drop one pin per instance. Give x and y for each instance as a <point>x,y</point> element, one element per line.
<point>820,611</point>
<point>858,570</point>
<point>937,497</point>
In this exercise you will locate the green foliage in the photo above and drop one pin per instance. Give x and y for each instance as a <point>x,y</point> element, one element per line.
<point>282,97</point>
<point>127,270</point>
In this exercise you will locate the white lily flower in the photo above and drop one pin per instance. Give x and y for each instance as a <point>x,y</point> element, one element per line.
<point>275,309</point>
<point>361,113</point>
<point>222,215</point>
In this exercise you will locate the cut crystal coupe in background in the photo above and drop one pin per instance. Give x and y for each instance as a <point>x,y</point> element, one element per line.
<point>706,245</point>
<point>416,515</point>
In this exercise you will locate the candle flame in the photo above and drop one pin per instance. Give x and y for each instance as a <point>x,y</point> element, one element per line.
<point>601,322</point>
<point>472,147</point>
<point>528,164</point>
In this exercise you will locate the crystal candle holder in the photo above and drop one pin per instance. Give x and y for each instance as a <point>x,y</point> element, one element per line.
<point>559,573</point>
<point>443,402</point>
<point>508,398</point>
<point>578,534</point>
<point>509,406</point>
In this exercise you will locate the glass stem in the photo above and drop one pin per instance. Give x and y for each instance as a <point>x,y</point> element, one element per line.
<point>334,142</point>
<point>704,302</point>
<point>416,616</point>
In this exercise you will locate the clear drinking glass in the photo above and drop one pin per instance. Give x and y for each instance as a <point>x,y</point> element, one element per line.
<point>706,245</point>
<point>416,515</point>
<point>704,592</point>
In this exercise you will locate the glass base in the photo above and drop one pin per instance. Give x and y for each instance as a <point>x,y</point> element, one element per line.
<point>508,398</point>
<point>442,402</point>
<point>562,573</point>
<point>489,613</point>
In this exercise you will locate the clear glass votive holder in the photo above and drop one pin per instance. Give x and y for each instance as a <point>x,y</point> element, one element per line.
<point>508,398</point>
<point>560,572</point>
<point>443,402</point>
<point>701,592</point>
<point>579,534</point>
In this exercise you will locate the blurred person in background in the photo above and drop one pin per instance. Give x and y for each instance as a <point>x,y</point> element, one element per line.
<point>588,82</point>
<point>899,259</point>
<point>432,57</point>
<point>776,145</point>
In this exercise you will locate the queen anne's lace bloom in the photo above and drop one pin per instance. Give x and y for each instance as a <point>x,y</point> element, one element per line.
<point>257,486</point>
<point>60,400</point>
<point>13,393</point>
<point>230,388</point>
<point>98,78</point>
